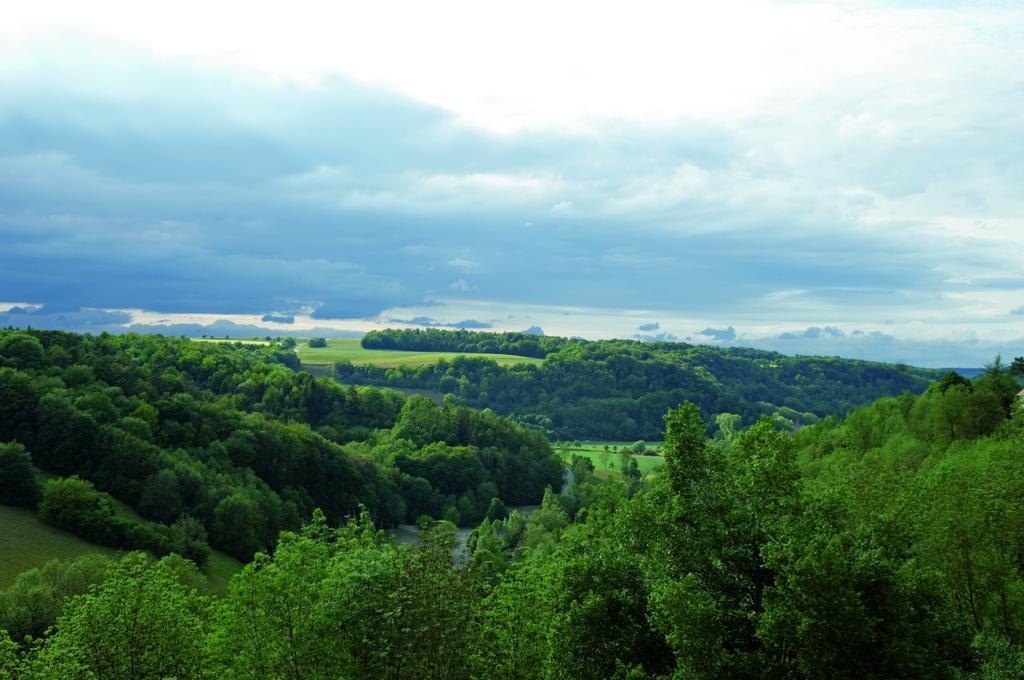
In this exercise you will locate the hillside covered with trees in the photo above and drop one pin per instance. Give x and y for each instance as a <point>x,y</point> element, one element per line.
<point>227,444</point>
<point>621,389</point>
<point>886,544</point>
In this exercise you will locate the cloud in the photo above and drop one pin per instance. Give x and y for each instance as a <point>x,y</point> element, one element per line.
<point>82,320</point>
<point>460,286</point>
<point>228,328</point>
<point>278,318</point>
<point>653,326</point>
<point>720,333</point>
<point>428,321</point>
<point>658,337</point>
<point>463,263</point>
<point>533,330</point>
<point>875,345</point>
<point>1019,310</point>
<point>833,192</point>
<point>812,332</point>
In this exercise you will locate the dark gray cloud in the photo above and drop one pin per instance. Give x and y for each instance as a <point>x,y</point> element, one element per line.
<point>181,187</point>
<point>50,318</point>
<point>358,199</point>
<point>278,318</point>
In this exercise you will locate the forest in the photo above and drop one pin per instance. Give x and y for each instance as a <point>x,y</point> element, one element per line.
<point>227,445</point>
<point>621,389</point>
<point>886,543</point>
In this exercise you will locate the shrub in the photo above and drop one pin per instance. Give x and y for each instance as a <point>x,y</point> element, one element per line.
<point>18,485</point>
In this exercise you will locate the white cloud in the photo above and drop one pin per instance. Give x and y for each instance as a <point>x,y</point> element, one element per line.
<point>463,263</point>
<point>782,165</point>
<point>552,64</point>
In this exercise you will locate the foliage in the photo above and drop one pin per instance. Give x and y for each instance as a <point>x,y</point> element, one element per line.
<point>18,484</point>
<point>139,622</point>
<point>469,342</point>
<point>342,603</point>
<point>33,602</point>
<point>75,505</point>
<point>229,435</point>
<point>621,389</point>
<point>883,544</point>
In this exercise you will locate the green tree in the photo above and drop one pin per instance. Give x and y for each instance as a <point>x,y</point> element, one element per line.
<point>161,497</point>
<point>685,448</point>
<point>496,510</point>
<point>75,504</point>
<point>187,537</point>
<point>236,526</point>
<point>18,399</point>
<point>18,484</point>
<point>728,424</point>
<point>139,623</point>
<point>23,350</point>
<point>36,598</point>
<point>10,657</point>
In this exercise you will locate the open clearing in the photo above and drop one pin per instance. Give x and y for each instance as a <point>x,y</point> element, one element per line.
<point>339,349</point>
<point>608,461</point>
<point>231,341</point>
<point>29,542</point>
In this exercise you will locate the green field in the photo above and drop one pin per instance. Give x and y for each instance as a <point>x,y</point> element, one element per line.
<point>29,542</point>
<point>244,341</point>
<point>608,461</point>
<point>349,348</point>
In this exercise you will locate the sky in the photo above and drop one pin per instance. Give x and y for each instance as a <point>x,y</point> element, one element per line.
<point>816,178</point>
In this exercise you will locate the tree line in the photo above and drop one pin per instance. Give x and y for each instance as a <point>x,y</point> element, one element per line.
<point>885,544</point>
<point>621,389</point>
<point>470,342</point>
<point>227,444</point>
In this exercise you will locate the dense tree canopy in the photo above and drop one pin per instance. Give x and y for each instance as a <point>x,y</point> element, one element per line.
<point>883,544</point>
<point>18,484</point>
<point>242,446</point>
<point>621,389</point>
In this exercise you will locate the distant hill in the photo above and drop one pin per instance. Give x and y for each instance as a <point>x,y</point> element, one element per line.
<point>224,443</point>
<point>969,373</point>
<point>621,389</point>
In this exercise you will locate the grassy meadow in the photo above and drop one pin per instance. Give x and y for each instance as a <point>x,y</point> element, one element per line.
<point>607,461</point>
<point>338,349</point>
<point>28,542</point>
<point>231,341</point>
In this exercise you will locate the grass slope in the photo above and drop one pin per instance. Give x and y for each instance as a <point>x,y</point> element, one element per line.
<point>608,461</point>
<point>231,341</point>
<point>29,542</point>
<point>338,349</point>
